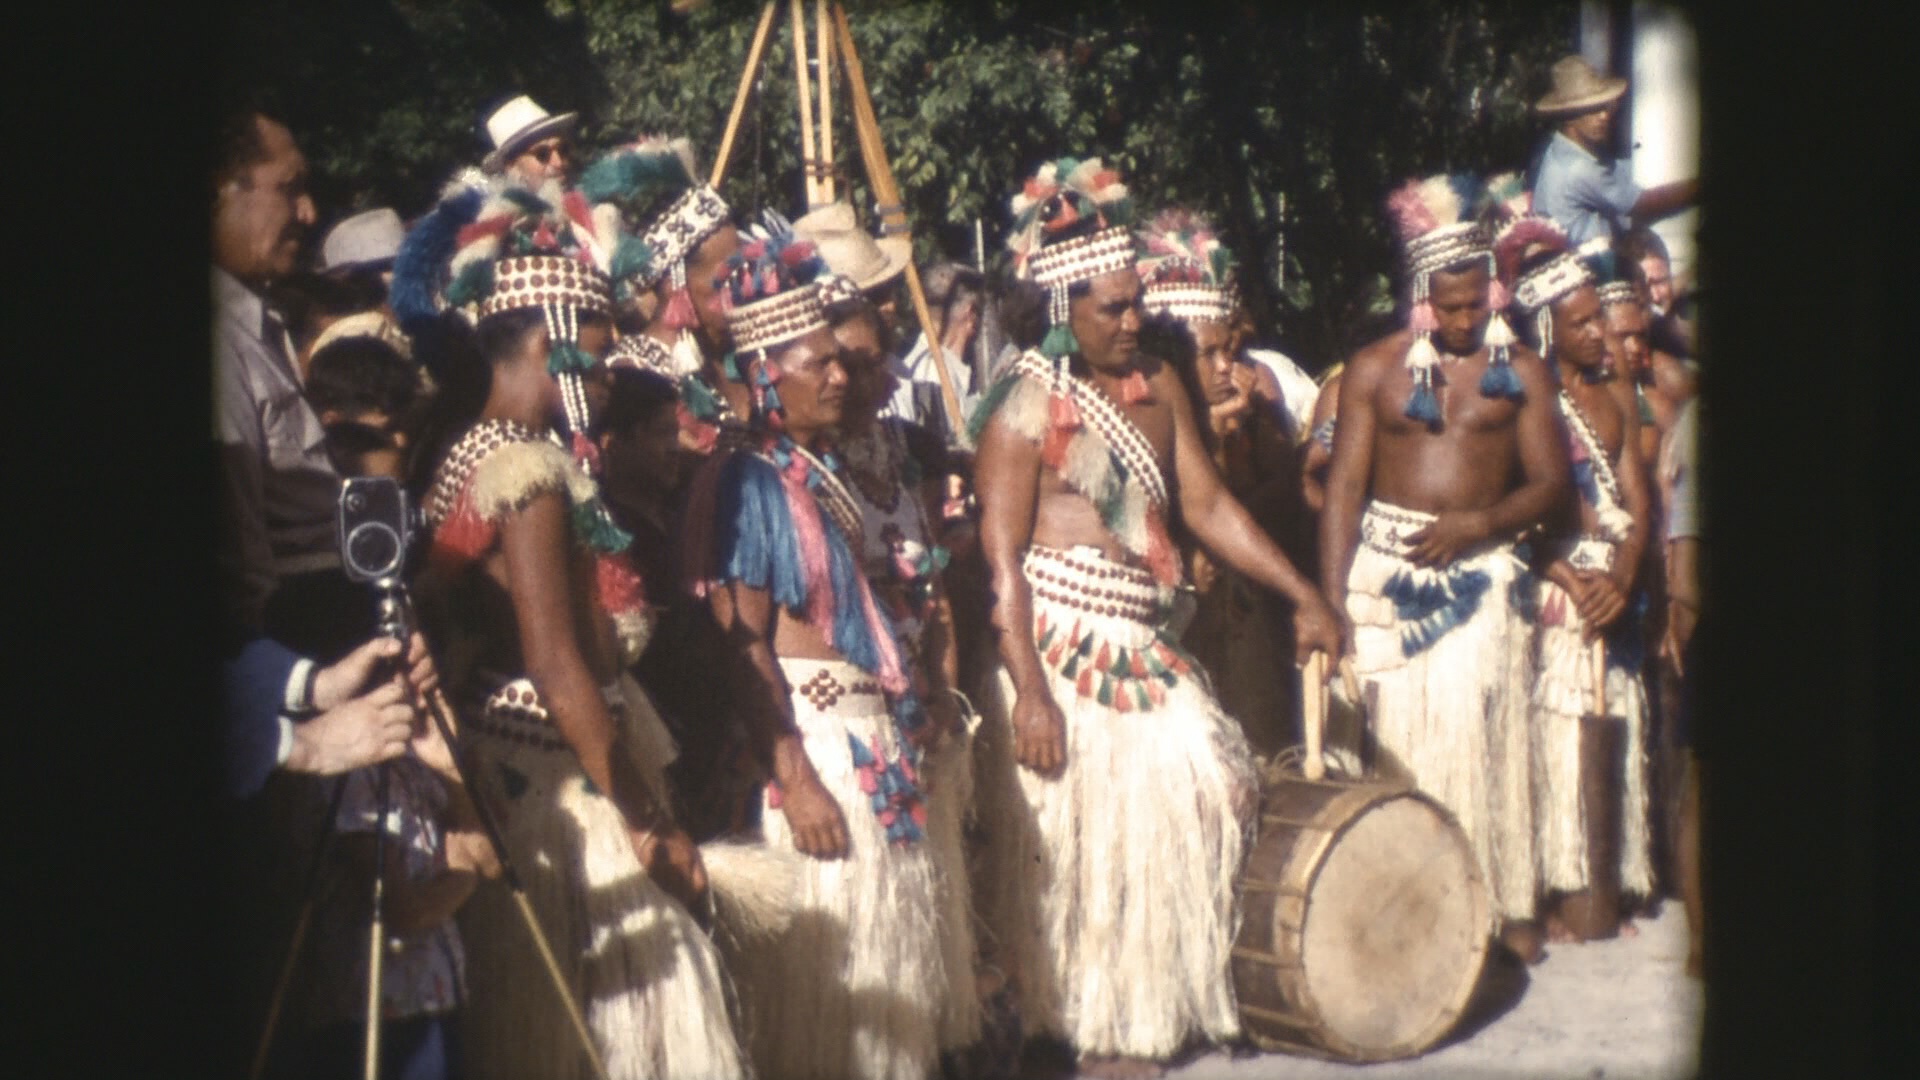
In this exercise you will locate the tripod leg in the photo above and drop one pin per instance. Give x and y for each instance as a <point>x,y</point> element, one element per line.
<point>300,927</point>
<point>511,877</point>
<point>740,97</point>
<point>377,932</point>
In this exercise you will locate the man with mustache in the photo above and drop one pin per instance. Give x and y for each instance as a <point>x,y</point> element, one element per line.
<point>279,570</point>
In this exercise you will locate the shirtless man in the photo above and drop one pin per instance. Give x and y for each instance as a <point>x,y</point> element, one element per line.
<point>1417,547</point>
<point>1118,946</point>
<point>1593,836</point>
<point>686,228</point>
<point>1660,383</point>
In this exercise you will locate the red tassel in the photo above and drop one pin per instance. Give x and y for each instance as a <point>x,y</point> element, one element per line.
<point>1053,448</point>
<point>679,313</point>
<point>1497,296</point>
<point>1120,701</point>
<point>1423,319</point>
<point>1156,693</point>
<point>1160,556</point>
<point>621,589</point>
<point>464,534</point>
<point>1138,664</point>
<point>586,453</point>
<point>1103,659</point>
<point>1133,389</point>
<point>1063,411</point>
<point>1084,684</point>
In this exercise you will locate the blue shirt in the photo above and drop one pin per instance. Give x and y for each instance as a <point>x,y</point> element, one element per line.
<point>1582,195</point>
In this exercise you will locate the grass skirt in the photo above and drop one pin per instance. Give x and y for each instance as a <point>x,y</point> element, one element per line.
<point>949,788</point>
<point>1449,653</point>
<point>1563,694</point>
<point>853,985</point>
<point>1111,888</point>
<point>647,978</point>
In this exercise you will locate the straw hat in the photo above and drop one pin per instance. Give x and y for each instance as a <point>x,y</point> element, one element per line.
<point>519,124</point>
<point>849,251</point>
<point>1578,88</point>
<point>372,238</point>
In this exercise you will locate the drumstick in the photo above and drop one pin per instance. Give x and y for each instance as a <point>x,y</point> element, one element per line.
<point>1350,679</point>
<point>1313,709</point>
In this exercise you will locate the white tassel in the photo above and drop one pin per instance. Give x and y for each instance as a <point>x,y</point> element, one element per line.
<point>1422,354</point>
<point>1499,334</point>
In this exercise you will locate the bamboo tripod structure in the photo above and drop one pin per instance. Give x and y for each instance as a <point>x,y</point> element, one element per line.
<point>816,148</point>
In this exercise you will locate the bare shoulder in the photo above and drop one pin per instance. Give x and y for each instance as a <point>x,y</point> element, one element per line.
<point>1376,358</point>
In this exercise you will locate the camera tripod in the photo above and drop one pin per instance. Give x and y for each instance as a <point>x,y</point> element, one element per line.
<point>397,622</point>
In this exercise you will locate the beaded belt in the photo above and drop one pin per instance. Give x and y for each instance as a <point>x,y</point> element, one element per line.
<point>1384,527</point>
<point>832,688</point>
<point>1085,580</point>
<point>514,713</point>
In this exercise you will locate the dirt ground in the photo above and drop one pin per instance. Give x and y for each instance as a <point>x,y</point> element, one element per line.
<point>1620,1010</point>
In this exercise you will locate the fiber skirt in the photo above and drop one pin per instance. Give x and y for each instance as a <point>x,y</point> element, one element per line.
<point>647,978</point>
<point>1112,893</point>
<point>855,983</point>
<point>1447,654</point>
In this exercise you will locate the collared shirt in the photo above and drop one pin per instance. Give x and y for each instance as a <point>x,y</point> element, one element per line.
<point>1297,388</point>
<point>1581,194</point>
<point>278,486</point>
<point>918,398</point>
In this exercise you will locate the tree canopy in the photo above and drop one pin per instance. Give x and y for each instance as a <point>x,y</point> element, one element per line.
<point>1288,125</point>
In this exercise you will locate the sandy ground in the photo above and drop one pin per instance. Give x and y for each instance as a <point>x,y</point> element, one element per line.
<point>1619,1010</point>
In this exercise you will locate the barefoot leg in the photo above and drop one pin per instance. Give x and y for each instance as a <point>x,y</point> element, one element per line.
<point>1525,939</point>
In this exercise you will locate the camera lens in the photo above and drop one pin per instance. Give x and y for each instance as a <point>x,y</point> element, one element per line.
<point>373,549</point>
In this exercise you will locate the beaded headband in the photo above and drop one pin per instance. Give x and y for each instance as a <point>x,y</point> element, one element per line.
<point>1187,301</point>
<point>547,281</point>
<point>838,289</point>
<point>684,226</point>
<point>782,317</point>
<point>1551,281</point>
<point>1059,266</point>
<point>1617,292</point>
<point>1439,223</point>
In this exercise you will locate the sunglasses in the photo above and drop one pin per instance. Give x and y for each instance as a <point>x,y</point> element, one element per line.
<point>544,153</point>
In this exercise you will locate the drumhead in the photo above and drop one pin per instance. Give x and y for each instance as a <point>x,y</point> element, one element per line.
<point>1396,927</point>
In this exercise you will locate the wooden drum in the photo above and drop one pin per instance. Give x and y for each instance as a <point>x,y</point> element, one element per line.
<point>1365,921</point>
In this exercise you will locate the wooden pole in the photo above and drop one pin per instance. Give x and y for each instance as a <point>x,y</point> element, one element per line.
<point>740,96</point>
<point>824,52</point>
<point>893,211</point>
<point>807,154</point>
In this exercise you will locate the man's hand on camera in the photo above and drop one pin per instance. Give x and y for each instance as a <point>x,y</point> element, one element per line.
<point>366,730</point>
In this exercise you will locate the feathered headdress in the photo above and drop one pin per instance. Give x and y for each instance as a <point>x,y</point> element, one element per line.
<point>1186,271</point>
<point>651,185</point>
<point>1439,223</point>
<point>1557,271</point>
<point>1062,194</point>
<point>772,297</point>
<point>491,246</point>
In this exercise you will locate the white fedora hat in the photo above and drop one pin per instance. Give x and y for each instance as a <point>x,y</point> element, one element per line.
<point>518,124</point>
<point>849,251</point>
<point>363,239</point>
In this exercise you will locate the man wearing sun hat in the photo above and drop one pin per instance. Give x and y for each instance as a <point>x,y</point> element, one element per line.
<point>529,144</point>
<point>1577,181</point>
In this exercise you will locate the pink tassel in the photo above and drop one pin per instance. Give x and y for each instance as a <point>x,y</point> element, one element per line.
<point>679,314</point>
<point>893,678</point>
<point>1497,296</point>
<point>1133,389</point>
<point>811,536</point>
<point>1423,320</point>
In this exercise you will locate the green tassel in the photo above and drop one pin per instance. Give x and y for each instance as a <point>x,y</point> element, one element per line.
<point>1059,342</point>
<point>1071,667</point>
<point>566,356</point>
<point>1086,646</point>
<point>1121,666</point>
<point>990,403</point>
<point>1105,696</point>
<point>1140,698</point>
<point>474,282</point>
<point>597,529</point>
<point>630,257</point>
<point>1046,639</point>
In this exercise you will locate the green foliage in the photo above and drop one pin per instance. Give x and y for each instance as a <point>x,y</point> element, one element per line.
<point>1286,125</point>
